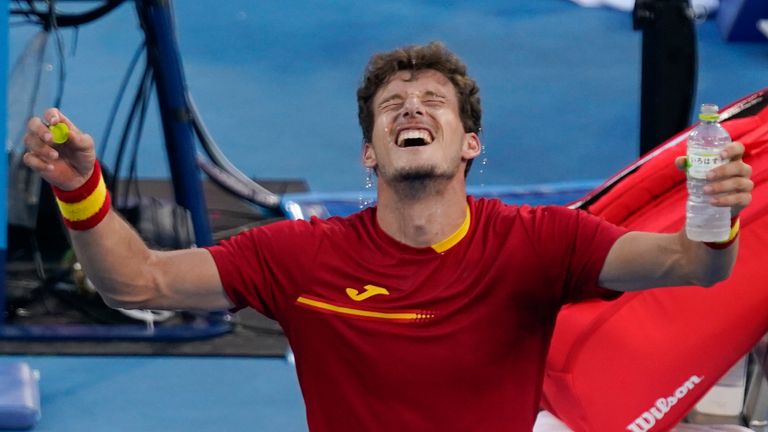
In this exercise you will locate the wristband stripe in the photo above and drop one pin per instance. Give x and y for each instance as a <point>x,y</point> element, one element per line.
<point>93,220</point>
<point>735,227</point>
<point>83,191</point>
<point>86,206</point>
<point>78,211</point>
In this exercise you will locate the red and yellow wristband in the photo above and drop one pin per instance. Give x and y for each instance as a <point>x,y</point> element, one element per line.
<point>86,206</point>
<point>735,226</point>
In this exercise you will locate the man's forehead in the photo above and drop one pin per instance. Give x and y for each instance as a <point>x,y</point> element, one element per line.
<point>419,80</point>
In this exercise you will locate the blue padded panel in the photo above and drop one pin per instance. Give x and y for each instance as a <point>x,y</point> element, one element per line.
<point>19,396</point>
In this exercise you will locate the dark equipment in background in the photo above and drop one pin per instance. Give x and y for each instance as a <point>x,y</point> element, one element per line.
<point>162,224</point>
<point>669,68</point>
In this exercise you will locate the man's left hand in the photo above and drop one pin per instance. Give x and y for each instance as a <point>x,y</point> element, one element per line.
<point>728,185</point>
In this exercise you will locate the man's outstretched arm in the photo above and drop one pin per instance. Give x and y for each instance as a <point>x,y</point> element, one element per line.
<point>640,260</point>
<point>124,270</point>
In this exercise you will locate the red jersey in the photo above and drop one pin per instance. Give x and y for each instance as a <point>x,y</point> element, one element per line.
<point>389,337</point>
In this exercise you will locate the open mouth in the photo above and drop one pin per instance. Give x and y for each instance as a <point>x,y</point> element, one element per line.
<point>414,138</point>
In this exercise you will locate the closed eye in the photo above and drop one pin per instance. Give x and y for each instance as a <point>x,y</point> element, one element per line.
<point>391,105</point>
<point>432,98</point>
<point>392,102</point>
<point>434,101</point>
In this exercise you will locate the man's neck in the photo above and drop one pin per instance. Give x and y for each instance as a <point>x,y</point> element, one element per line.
<point>425,221</point>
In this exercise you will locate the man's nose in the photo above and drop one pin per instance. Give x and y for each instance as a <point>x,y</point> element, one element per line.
<point>413,107</point>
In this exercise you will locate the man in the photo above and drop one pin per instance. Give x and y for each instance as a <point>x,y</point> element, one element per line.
<point>431,311</point>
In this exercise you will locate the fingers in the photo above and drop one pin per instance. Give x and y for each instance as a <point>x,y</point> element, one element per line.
<point>38,140</point>
<point>736,201</point>
<point>729,185</point>
<point>53,116</point>
<point>735,167</point>
<point>36,162</point>
<point>36,127</point>
<point>733,151</point>
<point>681,163</point>
<point>65,162</point>
<point>76,139</point>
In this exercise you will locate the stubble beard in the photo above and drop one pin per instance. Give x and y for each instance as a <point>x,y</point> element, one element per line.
<point>414,183</point>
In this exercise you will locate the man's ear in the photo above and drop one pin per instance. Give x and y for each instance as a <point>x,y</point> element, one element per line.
<point>369,156</point>
<point>472,146</point>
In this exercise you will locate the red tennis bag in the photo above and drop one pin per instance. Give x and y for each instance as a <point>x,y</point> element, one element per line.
<point>640,363</point>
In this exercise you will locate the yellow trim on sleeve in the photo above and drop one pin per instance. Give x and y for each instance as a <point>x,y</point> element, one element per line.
<point>456,237</point>
<point>86,208</point>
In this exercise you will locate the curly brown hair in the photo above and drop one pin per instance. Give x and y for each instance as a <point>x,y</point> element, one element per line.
<point>382,66</point>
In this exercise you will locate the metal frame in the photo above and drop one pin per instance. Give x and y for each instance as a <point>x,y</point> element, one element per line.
<point>3,155</point>
<point>163,52</point>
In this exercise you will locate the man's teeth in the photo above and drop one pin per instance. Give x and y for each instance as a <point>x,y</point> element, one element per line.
<point>414,134</point>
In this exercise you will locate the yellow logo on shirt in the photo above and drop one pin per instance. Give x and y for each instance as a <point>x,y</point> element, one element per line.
<point>370,291</point>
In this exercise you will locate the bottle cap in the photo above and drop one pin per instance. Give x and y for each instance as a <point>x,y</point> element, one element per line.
<point>59,132</point>
<point>709,112</point>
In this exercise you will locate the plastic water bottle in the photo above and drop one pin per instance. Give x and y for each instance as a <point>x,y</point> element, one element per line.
<point>705,222</point>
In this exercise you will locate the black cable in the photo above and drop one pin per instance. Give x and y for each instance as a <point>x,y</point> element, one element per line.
<point>121,92</point>
<point>133,178</point>
<point>37,78</point>
<point>54,29</point>
<point>67,19</point>
<point>33,12</point>
<point>75,40</point>
<point>29,16</point>
<point>21,23</point>
<point>235,187</point>
<point>224,173</point>
<point>41,58</point>
<point>127,129</point>
<point>35,248</point>
<point>209,145</point>
<point>228,174</point>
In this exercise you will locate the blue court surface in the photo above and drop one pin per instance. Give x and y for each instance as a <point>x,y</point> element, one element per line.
<point>275,84</point>
<point>115,394</point>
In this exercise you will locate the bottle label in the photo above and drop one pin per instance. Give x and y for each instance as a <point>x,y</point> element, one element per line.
<point>700,163</point>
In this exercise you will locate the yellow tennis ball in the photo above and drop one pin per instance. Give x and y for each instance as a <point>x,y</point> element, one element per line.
<point>59,132</point>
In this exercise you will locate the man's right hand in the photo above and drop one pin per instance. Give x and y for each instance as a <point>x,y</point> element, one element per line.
<point>66,166</point>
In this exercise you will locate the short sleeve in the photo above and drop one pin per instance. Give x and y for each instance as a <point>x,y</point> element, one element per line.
<point>253,265</point>
<point>575,244</point>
